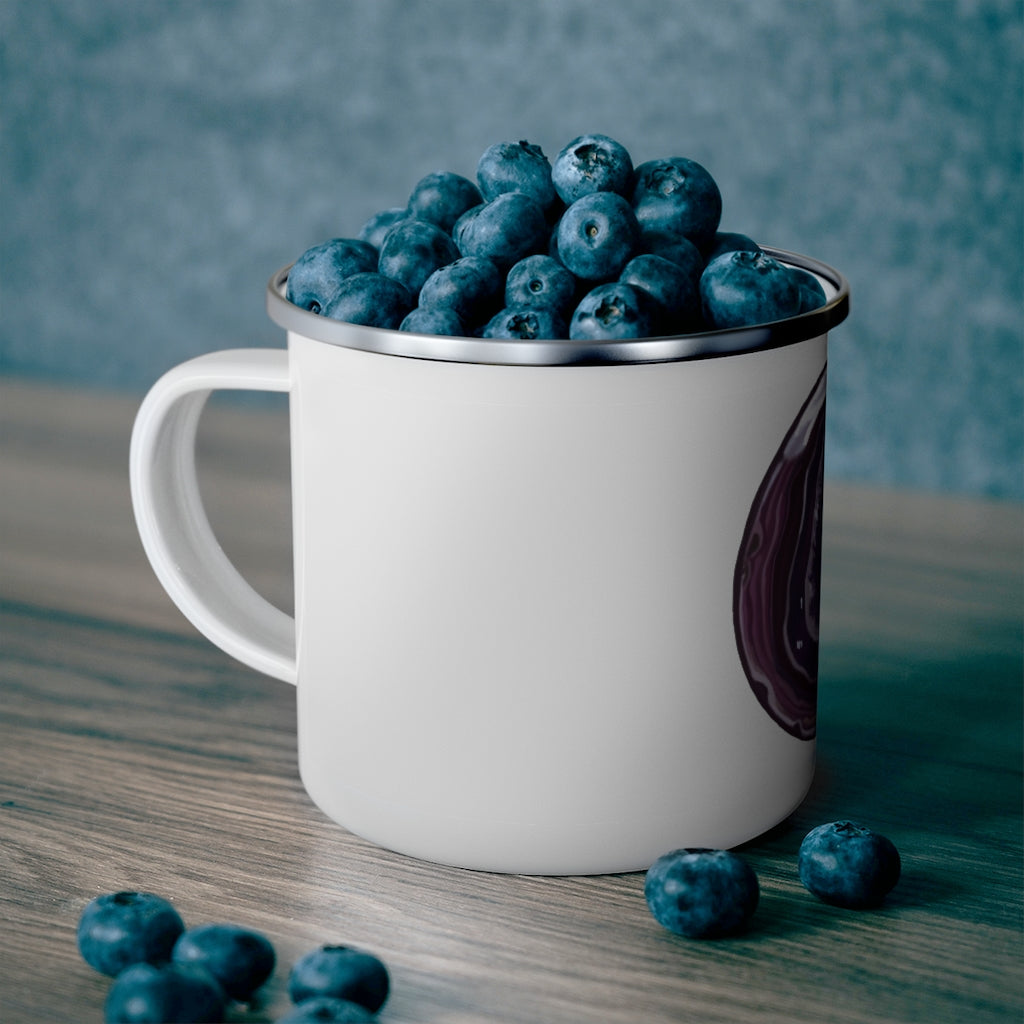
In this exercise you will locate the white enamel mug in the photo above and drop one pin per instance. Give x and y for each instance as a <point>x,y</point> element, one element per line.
<point>556,603</point>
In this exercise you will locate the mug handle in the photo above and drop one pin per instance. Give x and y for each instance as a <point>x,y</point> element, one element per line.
<point>172,522</point>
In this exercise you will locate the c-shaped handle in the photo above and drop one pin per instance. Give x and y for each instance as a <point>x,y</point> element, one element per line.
<point>172,522</point>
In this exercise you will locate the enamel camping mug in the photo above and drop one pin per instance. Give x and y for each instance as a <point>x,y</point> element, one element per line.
<point>557,602</point>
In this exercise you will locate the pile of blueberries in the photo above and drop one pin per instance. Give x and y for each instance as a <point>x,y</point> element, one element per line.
<point>586,247</point>
<point>166,973</point>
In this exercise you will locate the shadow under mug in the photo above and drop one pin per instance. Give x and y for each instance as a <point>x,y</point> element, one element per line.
<point>556,604</point>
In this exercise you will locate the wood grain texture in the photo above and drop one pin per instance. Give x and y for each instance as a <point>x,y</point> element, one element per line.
<point>133,754</point>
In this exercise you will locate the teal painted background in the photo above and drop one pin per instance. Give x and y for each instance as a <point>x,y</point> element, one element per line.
<point>159,159</point>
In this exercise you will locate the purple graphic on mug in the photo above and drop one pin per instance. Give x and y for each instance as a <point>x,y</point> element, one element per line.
<point>776,596</point>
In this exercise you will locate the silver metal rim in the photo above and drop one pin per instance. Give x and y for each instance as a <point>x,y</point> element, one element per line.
<point>706,345</point>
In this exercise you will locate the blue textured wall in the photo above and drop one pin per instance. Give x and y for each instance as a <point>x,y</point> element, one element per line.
<point>160,159</point>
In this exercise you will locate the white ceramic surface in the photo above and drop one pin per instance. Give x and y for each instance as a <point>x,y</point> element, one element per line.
<point>514,638</point>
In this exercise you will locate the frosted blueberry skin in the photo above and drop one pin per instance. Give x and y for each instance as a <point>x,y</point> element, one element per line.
<point>516,167</point>
<point>700,893</point>
<point>848,865</point>
<point>442,198</point>
<point>597,236</point>
<point>812,295</point>
<point>119,929</point>
<point>372,299</point>
<point>316,276</point>
<point>541,281</point>
<point>374,230</point>
<point>677,196</point>
<point>592,163</point>
<point>674,292</point>
<point>440,322</point>
<point>612,312</point>
<point>525,323</point>
<point>239,959</point>
<point>471,287</point>
<point>504,230</point>
<point>741,289</point>
<point>171,993</point>
<point>674,248</point>
<point>412,250</point>
<point>326,1010</point>
<point>730,241</point>
<point>342,973</point>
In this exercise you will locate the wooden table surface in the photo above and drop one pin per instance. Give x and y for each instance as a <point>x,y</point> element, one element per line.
<point>135,755</point>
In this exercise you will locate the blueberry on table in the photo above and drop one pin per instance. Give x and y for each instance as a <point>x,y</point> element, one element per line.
<point>240,959</point>
<point>812,295</point>
<point>164,994</point>
<point>701,893</point>
<point>597,236</point>
<point>505,229</point>
<point>612,312</point>
<point>342,973</point>
<point>471,287</point>
<point>372,299</point>
<point>592,163</point>
<point>516,167</point>
<point>678,196</point>
<point>412,250</point>
<point>848,865</point>
<point>526,323</point>
<point>327,1010</point>
<point>119,929</point>
<point>541,281</point>
<point>316,276</point>
<point>740,289</point>
<point>442,198</point>
<point>674,292</point>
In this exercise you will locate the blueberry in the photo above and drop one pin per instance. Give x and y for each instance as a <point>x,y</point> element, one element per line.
<point>504,230</point>
<point>812,295</point>
<point>702,894</point>
<point>119,929</point>
<point>442,198</point>
<point>171,993</point>
<point>374,230</point>
<point>241,960</point>
<point>341,972</point>
<point>526,323</point>
<point>470,286</point>
<point>328,1011</point>
<point>597,236</point>
<point>730,241</point>
<point>541,281</point>
<point>438,321</point>
<point>674,291</point>
<point>412,250</point>
<point>592,163</point>
<point>739,289</point>
<point>316,276</point>
<point>679,250</point>
<point>371,299</point>
<point>611,312</point>
<point>516,167</point>
<point>848,865</point>
<point>677,196</point>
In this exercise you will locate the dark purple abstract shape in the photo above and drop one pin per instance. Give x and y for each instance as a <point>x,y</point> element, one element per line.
<point>776,595</point>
